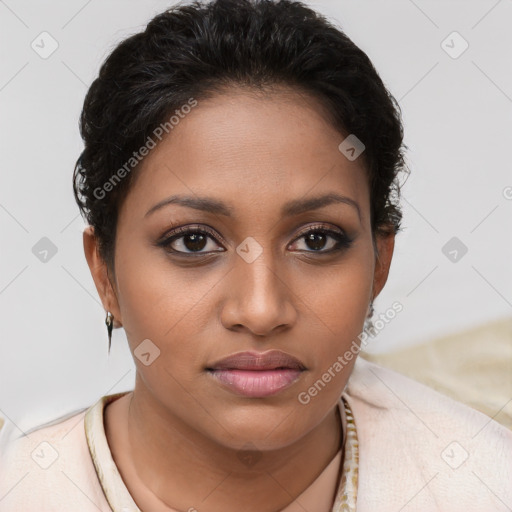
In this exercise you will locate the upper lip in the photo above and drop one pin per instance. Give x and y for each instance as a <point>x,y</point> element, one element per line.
<point>251,360</point>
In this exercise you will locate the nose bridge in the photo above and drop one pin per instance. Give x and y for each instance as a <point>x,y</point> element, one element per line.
<point>257,270</point>
<point>260,300</point>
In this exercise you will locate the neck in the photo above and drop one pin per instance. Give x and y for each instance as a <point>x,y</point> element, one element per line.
<point>170,465</point>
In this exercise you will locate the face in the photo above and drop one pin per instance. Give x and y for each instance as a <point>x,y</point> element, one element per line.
<point>246,263</point>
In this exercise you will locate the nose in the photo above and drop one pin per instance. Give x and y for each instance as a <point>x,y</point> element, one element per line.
<point>259,299</point>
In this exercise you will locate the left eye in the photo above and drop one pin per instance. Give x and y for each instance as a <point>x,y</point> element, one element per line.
<point>316,240</point>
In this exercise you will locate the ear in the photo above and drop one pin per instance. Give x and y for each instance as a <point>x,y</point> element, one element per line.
<point>385,246</point>
<point>98,268</point>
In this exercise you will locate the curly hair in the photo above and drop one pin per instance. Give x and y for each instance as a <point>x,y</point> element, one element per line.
<point>199,49</point>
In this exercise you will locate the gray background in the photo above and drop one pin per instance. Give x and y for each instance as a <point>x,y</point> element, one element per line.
<point>457,116</point>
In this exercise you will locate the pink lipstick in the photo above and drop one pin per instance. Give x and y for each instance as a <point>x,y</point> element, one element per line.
<point>257,374</point>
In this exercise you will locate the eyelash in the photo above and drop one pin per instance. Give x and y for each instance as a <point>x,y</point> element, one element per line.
<point>343,241</point>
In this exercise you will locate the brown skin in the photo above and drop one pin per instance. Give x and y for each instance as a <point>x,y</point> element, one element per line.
<point>177,437</point>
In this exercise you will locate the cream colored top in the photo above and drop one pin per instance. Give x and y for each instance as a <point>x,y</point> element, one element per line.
<point>319,496</point>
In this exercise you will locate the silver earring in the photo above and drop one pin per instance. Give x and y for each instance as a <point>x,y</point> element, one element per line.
<point>368,323</point>
<point>109,321</point>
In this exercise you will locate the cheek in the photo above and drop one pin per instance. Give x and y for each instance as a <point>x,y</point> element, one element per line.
<point>336,312</point>
<point>340,297</point>
<point>159,306</point>
<point>165,305</point>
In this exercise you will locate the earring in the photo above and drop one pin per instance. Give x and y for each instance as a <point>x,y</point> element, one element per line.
<point>109,321</point>
<point>368,323</point>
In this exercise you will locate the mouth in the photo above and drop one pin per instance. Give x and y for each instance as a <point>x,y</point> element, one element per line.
<point>257,374</point>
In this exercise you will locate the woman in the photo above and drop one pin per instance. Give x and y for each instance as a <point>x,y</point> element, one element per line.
<point>240,182</point>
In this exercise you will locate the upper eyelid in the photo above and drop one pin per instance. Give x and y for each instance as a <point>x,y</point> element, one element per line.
<point>321,227</point>
<point>179,231</point>
<point>182,230</point>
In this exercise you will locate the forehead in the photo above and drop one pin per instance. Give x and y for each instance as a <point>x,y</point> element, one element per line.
<point>250,149</point>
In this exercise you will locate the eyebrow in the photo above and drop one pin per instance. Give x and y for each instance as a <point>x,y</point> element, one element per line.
<point>294,207</point>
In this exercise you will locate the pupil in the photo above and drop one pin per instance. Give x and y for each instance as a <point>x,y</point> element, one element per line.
<point>197,242</point>
<point>317,240</point>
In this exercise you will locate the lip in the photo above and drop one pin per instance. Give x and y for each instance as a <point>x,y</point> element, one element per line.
<point>257,374</point>
<point>252,360</point>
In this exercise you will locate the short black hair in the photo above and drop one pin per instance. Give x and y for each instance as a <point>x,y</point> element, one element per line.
<point>194,50</point>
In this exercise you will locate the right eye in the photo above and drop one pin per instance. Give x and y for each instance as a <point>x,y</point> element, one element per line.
<point>186,240</point>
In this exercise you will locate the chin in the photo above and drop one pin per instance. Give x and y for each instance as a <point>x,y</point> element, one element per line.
<point>265,431</point>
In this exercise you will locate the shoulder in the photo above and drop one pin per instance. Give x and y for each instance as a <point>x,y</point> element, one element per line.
<point>50,468</point>
<point>418,444</point>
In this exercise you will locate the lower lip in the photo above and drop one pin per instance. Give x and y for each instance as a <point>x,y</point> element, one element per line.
<point>256,383</point>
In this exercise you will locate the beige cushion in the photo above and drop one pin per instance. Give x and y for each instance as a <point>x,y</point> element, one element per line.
<point>473,367</point>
